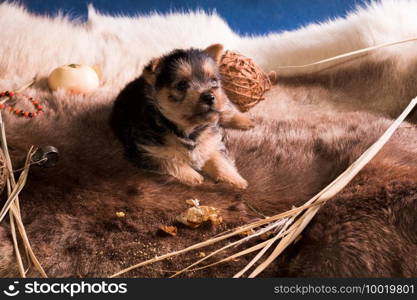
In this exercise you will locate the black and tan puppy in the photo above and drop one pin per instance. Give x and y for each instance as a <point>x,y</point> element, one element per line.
<point>169,119</point>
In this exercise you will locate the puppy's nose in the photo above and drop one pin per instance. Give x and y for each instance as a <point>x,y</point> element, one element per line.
<point>208,98</point>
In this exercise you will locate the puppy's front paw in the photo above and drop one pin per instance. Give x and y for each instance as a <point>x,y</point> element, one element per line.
<point>219,168</point>
<point>240,121</point>
<point>245,123</point>
<point>191,177</point>
<point>233,179</point>
<point>237,182</point>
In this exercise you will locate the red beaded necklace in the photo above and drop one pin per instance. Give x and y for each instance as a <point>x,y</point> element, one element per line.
<point>20,112</point>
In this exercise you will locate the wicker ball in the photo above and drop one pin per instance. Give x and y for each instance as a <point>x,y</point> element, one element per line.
<point>3,171</point>
<point>243,81</point>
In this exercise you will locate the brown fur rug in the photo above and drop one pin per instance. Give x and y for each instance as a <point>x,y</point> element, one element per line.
<point>368,230</point>
<point>306,134</point>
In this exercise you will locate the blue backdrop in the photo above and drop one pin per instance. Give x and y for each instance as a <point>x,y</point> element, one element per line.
<point>244,16</point>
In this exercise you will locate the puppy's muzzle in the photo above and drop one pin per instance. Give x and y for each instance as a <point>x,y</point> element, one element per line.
<point>208,98</point>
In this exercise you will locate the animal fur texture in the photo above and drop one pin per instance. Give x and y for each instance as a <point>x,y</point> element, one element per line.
<point>308,130</point>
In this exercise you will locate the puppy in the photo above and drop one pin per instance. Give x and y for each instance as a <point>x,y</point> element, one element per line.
<point>169,119</point>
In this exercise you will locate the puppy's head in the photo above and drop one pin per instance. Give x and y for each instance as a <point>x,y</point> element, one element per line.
<point>187,85</point>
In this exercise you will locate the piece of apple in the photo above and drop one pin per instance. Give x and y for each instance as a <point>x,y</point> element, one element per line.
<point>75,78</point>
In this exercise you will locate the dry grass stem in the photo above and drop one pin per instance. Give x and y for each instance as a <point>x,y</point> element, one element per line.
<point>13,207</point>
<point>260,232</point>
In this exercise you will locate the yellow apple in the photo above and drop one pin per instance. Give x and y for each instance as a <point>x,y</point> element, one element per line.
<point>75,78</point>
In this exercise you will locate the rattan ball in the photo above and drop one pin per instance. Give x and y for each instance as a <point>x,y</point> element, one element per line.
<point>243,81</point>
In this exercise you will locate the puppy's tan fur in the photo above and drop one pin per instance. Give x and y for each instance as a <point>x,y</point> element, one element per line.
<point>181,164</point>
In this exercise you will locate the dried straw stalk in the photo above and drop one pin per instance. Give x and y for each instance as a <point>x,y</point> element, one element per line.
<point>329,62</point>
<point>296,219</point>
<point>13,207</point>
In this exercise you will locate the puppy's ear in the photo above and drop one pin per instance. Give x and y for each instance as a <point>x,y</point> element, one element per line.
<point>215,51</point>
<point>150,70</point>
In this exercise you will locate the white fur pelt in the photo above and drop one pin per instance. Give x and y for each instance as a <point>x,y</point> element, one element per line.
<point>35,45</point>
<point>122,45</point>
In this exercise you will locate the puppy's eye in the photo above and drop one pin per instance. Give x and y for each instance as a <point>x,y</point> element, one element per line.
<point>182,86</point>
<point>214,82</point>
